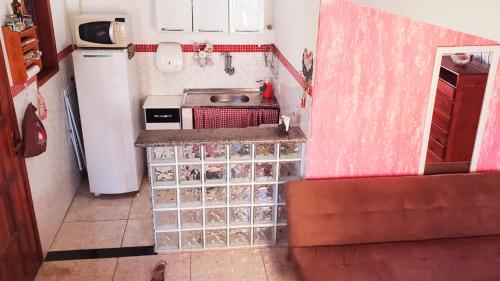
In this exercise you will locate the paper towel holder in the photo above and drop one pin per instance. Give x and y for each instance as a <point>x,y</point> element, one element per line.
<point>169,57</point>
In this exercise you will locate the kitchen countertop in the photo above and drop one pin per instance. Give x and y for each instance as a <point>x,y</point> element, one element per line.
<point>218,136</point>
<point>201,98</point>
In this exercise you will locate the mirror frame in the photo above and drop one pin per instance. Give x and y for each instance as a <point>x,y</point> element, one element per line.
<point>495,49</point>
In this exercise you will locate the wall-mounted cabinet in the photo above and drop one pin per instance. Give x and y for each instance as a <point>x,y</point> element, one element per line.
<point>174,15</point>
<point>210,16</point>
<point>246,16</point>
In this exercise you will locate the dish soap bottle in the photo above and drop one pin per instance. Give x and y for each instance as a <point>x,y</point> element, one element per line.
<point>266,89</point>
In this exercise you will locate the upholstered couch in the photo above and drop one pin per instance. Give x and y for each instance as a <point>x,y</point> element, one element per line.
<point>413,228</point>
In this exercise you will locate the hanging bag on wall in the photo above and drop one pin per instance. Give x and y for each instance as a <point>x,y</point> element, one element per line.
<point>34,134</point>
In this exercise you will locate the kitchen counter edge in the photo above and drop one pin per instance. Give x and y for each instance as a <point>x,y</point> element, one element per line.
<point>155,138</point>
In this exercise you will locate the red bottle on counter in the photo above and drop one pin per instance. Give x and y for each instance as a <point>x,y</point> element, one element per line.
<point>268,92</point>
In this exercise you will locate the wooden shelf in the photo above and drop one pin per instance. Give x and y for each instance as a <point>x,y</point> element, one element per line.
<point>30,46</point>
<point>16,52</point>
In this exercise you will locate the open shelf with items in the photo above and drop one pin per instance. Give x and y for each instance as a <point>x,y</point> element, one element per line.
<point>221,195</point>
<point>23,52</point>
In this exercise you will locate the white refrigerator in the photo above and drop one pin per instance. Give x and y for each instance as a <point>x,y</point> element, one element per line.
<point>110,112</point>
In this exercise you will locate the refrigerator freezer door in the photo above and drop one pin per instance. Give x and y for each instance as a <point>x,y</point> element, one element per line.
<point>109,121</point>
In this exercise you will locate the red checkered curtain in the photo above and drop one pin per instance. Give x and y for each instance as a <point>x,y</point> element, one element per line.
<point>213,118</point>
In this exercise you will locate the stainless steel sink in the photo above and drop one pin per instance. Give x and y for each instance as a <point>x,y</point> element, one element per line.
<point>225,98</point>
<point>236,97</point>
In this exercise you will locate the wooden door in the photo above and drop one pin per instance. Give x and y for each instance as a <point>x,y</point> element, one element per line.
<point>20,250</point>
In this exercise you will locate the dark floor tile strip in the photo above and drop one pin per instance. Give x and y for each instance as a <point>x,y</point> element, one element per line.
<point>100,253</point>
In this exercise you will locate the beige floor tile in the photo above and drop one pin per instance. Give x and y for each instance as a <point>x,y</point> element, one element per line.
<point>228,265</point>
<point>141,205</point>
<point>141,208</point>
<point>89,235</point>
<point>87,207</point>
<point>78,270</point>
<point>144,190</point>
<point>140,268</point>
<point>138,233</point>
<point>278,268</point>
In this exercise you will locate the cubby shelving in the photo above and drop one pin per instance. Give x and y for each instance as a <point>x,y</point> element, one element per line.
<point>23,52</point>
<point>221,195</point>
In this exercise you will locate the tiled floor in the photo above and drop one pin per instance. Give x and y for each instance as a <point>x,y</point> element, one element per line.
<point>124,221</point>
<point>267,264</point>
<point>107,221</point>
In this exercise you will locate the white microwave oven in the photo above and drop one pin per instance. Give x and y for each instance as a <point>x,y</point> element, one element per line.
<point>102,31</point>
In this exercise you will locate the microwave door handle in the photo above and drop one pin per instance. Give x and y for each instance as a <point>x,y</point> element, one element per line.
<point>112,32</point>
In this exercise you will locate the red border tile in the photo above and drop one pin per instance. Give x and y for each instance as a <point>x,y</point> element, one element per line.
<point>294,72</point>
<point>145,48</point>
<point>65,52</point>
<point>188,48</point>
<point>17,89</point>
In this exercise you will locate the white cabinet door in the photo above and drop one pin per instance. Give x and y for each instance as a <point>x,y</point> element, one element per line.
<point>174,15</point>
<point>210,16</point>
<point>246,16</point>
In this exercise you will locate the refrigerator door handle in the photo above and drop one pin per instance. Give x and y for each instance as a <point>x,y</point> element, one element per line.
<point>97,56</point>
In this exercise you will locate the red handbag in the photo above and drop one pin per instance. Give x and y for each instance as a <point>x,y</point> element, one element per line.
<point>34,133</point>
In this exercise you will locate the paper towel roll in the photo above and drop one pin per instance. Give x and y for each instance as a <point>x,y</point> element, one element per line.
<point>169,57</point>
<point>32,71</point>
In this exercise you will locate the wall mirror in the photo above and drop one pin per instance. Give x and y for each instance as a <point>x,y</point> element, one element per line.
<point>458,108</point>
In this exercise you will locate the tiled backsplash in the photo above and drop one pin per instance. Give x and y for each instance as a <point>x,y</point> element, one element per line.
<point>249,66</point>
<point>140,48</point>
<point>289,94</point>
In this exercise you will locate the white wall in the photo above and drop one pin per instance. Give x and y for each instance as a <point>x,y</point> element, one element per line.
<point>479,17</point>
<point>144,24</point>
<point>296,29</point>
<point>60,18</point>
<point>296,24</point>
<point>53,176</point>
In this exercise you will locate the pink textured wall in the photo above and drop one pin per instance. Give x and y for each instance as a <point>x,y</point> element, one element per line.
<point>372,84</point>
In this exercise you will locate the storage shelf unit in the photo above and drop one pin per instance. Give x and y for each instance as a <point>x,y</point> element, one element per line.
<point>19,45</point>
<point>235,200</point>
<point>457,108</point>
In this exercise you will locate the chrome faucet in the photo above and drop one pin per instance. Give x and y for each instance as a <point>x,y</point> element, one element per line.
<point>228,63</point>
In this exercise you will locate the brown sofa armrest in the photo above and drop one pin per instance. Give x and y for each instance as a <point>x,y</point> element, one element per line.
<point>387,209</point>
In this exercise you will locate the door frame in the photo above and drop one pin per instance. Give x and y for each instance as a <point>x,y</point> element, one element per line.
<point>20,162</point>
<point>485,109</point>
